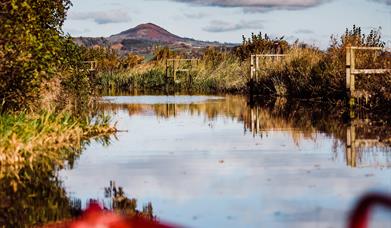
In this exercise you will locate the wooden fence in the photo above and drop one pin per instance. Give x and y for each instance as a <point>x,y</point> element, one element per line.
<point>173,66</point>
<point>92,65</point>
<point>256,65</point>
<point>351,70</point>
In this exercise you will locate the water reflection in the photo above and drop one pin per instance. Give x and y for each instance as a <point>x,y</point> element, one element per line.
<point>216,162</point>
<point>121,204</point>
<point>227,162</point>
<point>365,147</point>
<point>39,199</point>
<point>366,141</point>
<point>42,200</point>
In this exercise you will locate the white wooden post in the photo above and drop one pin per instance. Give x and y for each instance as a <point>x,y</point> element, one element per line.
<point>348,69</point>
<point>252,67</point>
<point>256,67</point>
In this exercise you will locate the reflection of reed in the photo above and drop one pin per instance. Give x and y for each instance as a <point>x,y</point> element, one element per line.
<point>233,107</point>
<point>301,121</point>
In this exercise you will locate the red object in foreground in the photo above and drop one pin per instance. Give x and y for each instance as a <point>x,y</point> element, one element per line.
<point>360,215</point>
<point>95,217</point>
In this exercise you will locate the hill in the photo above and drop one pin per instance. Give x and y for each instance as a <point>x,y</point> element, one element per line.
<point>143,38</point>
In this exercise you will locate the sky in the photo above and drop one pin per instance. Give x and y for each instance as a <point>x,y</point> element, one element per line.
<point>310,21</point>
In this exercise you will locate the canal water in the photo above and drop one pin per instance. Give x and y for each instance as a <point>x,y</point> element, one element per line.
<point>221,161</point>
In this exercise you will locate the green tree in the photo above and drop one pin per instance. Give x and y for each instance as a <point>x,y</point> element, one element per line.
<point>30,47</point>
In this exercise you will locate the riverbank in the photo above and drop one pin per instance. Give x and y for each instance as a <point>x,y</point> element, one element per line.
<point>45,138</point>
<point>304,71</point>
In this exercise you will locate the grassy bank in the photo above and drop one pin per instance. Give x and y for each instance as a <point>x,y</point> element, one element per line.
<point>45,138</point>
<point>228,76</point>
<point>306,72</point>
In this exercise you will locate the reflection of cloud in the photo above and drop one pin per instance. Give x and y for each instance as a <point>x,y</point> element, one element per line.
<point>223,26</point>
<point>287,186</point>
<point>259,5</point>
<point>175,163</point>
<point>102,17</point>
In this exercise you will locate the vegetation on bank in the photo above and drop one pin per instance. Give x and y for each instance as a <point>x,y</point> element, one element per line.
<point>30,138</point>
<point>306,71</point>
<point>46,91</point>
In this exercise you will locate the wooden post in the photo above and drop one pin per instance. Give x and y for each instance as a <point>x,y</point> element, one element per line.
<point>348,70</point>
<point>189,73</point>
<point>256,67</point>
<point>166,79</point>
<point>175,66</point>
<point>252,71</point>
<point>252,67</point>
<point>352,69</point>
<point>350,66</point>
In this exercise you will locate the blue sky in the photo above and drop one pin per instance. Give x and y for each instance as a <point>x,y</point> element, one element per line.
<point>312,21</point>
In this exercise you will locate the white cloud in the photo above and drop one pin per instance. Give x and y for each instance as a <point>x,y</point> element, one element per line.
<point>387,2</point>
<point>102,17</point>
<point>259,5</point>
<point>304,31</point>
<point>223,26</point>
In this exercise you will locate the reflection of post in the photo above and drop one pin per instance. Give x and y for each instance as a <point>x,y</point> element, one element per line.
<point>350,146</point>
<point>258,124</point>
<point>252,119</point>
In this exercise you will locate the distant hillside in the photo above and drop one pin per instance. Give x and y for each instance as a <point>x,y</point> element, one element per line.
<point>150,32</point>
<point>143,38</point>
